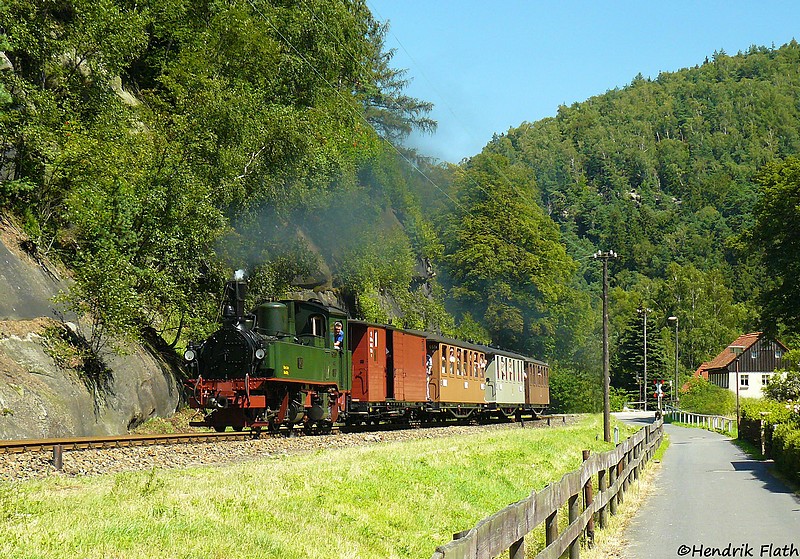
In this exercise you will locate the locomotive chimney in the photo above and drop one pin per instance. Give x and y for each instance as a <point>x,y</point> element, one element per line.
<point>235,293</point>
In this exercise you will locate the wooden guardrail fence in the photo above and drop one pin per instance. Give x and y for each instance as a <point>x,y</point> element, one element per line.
<point>713,422</point>
<point>506,530</point>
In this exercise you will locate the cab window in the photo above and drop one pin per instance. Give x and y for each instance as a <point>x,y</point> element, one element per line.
<point>317,324</point>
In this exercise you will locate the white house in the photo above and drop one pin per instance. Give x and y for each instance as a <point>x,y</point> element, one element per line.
<point>753,358</point>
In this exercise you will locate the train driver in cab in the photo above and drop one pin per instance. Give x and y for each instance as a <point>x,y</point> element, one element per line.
<point>338,335</point>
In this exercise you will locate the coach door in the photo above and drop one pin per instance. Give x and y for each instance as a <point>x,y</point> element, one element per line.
<point>368,345</point>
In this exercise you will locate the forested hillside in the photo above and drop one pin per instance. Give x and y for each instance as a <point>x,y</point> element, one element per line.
<point>156,146</point>
<point>671,174</point>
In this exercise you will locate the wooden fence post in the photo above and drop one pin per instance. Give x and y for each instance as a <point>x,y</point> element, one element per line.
<point>58,457</point>
<point>551,528</point>
<point>588,499</point>
<point>602,486</point>
<point>623,463</point>
<point>573,505</point>
<point>517,550</point>
<point>612,480</point>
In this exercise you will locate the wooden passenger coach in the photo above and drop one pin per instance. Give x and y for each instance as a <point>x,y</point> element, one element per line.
<point>537,384</point>
<point>505,379</point>
<point>458,373</point>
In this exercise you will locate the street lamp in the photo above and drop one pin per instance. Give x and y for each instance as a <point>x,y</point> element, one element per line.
<point>644,311</point>
<point>675,388</point>
<point>604,256</point>
<point>737,351</point>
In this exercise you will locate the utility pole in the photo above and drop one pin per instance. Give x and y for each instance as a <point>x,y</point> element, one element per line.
<point>737,350</point>
<point>604,256</point>
<point>644,311</point>
<point>675,388</point>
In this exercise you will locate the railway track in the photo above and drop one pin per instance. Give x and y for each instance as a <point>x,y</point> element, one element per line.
<point>88,456</point>
<point>125,441</point>
<point>121,441</point>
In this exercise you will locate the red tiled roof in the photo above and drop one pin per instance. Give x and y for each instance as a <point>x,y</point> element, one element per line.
<point>702,371</point>
<point>727,356</point>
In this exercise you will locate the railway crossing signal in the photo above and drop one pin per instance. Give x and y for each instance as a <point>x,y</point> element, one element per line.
<point>662,390</point>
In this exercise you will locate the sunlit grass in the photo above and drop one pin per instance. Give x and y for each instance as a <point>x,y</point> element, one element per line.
<point>386,500</point>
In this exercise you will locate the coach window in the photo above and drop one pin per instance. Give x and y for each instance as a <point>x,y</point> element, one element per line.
<point>373,344</point>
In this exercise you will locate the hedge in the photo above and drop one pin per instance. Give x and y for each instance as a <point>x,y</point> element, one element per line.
<point>786,450</point>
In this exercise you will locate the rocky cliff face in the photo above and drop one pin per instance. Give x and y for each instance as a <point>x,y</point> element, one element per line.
<point>40,396</point>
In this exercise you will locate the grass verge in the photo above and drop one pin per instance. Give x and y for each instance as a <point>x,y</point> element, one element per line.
<point>388,500</point>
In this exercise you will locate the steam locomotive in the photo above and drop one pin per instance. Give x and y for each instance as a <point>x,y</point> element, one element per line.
<point>280,366</point>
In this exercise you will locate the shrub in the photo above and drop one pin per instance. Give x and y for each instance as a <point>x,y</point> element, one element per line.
<point>769,410</point>
<point>786,450</point>
<point>707,398</point>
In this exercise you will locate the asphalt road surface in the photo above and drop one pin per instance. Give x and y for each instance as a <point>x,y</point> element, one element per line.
<point>712,500</point>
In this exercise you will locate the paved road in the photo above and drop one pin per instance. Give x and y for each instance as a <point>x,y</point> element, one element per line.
<point>712,500</point>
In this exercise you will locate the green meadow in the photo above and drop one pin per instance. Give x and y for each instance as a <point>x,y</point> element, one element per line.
<point>389,500</point>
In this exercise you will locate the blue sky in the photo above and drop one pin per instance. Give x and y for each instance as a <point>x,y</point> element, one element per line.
<point>491,65</point>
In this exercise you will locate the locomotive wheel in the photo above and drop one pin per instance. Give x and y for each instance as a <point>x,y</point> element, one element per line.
<point>220,428</point>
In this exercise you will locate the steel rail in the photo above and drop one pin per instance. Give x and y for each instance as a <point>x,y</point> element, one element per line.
<point>120,441</point>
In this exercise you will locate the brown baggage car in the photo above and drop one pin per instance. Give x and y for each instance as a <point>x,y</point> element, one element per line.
<point>389,372</point>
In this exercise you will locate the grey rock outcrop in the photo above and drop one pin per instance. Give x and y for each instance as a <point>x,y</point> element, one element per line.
<point>41,398</point>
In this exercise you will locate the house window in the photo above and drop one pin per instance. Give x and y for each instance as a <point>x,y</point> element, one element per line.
<point>754,353</point>
<point>744,381</point>
<point>764,380</point>
<point>778,353</point>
